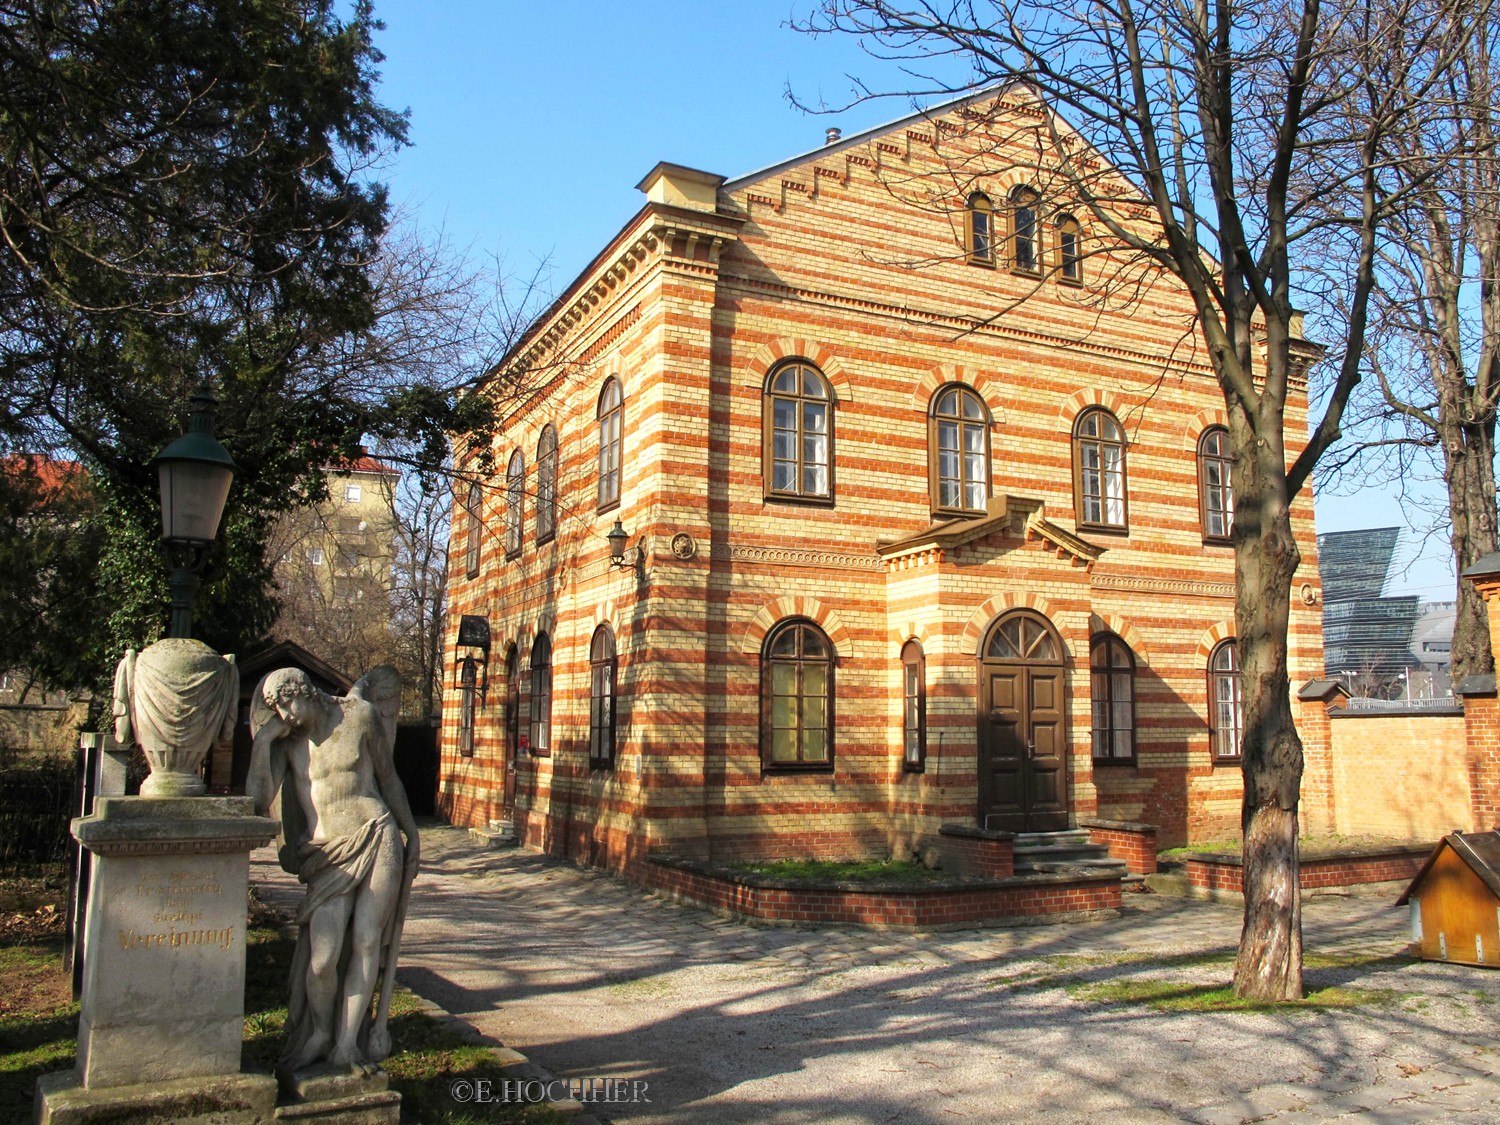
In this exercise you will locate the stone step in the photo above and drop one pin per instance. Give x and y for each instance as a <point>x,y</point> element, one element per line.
<point>1074,867</point>
<point>1073,854</point>
<point>1070,838</point>
<point>497,834</point>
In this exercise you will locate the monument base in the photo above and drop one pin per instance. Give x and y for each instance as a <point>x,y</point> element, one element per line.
<point>221,1099</point>
<point>164,947</point>
<point>335,1095</point>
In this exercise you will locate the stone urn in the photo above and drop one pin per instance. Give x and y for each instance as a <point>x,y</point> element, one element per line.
<point>175,699</point>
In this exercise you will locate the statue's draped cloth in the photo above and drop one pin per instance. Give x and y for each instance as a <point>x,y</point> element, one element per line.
<point>339,866</point>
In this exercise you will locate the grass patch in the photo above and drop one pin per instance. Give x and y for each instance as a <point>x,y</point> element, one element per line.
<point>1180,996</point>
<point>1198,959</point>
<point>38,1022</point>
<point>1310,847</point>
<point>845,871</point>
<point>39,1028</point>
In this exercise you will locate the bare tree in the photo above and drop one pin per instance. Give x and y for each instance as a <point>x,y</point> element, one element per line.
<point>1435,339</point>
<point>1180,128</point>
<point>421,517</point>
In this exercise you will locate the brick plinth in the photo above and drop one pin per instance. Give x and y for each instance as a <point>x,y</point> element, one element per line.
<point>976,852</point>
<point>1211,873</point>
<point>1134,844</point>
<point>939,907</point>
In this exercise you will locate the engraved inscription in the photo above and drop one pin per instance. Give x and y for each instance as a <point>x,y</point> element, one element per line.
<point>179,901</point>
<point>173,938</point>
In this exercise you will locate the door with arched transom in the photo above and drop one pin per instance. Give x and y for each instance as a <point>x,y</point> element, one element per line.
<point>1022,739</point>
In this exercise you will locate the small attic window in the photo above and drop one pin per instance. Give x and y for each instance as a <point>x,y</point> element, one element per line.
<point>979,230</point>
<point>1025,256</point>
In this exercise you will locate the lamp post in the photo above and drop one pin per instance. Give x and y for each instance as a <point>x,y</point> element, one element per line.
<point>195,472</point>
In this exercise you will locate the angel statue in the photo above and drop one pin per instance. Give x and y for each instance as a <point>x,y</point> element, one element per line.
<point>329,763</point>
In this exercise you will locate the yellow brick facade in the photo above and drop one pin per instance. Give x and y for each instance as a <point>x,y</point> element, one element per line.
<point>829,260</point>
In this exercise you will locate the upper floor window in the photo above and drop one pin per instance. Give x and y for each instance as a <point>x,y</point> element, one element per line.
<point>1112,671</point>
<point>546,485</point>
<point>541,695</point>
<point>796,696</point>
<point>913,708</point>
<point>979,222</point>
<point>473,505</point>
<point>1099,470</point>
<point>1225,717</point>
<point>960,445</point>
<point>603,670</point>
<point>799,433</point>
<point>1069,249</point>
<point>1215,492</point>
<point>1025,252</point>
<point>611,409</point>
<point>515,492</point>
<point>353,493</point>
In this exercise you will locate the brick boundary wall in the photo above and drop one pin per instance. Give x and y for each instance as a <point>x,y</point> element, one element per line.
<point>1134,844</point>
<point>1212,873</point>
<point>928,908</point>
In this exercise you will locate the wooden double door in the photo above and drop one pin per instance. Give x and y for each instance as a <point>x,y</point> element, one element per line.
<point>1022,736</point>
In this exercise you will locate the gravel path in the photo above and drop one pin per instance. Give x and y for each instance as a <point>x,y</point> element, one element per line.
<point>731,1022</point>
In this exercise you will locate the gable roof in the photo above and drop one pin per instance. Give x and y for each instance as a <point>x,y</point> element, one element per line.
<point>289,654</point>
<point>1479,850</point>
<point>865,136</point>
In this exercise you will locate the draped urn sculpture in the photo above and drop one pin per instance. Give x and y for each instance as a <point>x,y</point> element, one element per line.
<point>175,699</point>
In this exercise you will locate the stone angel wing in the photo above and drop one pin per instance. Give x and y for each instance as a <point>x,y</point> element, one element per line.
<point>269,735</point>
<point>381,687</point>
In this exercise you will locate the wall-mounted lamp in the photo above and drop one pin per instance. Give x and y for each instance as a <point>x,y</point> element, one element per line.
<point>617,537</point>
<point>473,633</point>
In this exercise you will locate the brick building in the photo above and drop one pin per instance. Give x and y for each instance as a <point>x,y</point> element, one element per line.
<point>921,505</point>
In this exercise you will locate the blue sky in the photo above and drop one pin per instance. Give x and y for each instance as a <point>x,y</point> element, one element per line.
<point>531,124</point>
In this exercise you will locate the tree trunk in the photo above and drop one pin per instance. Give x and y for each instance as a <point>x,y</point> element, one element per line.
<point>1269,965</point>
<point>1469,474</point>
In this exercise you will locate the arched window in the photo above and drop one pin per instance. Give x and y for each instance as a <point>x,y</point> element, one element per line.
<point>913,708</point>
<point>959,440</point>
<point>1025,251</point>
<point>1215,490</point>
<point>796,694</point>
<point>1069,249</point>
<point>603,669</point>
<point>1225,720</point>
<point>515,492</point>
<point>512,704</point>
<point>467,688</point>
<point>798,433</point>
<point>546,485</point>
<point>541,695</point>
<point>1112,668</point>
<point>979,230</point>
<point>611,408</point>
<point>473,509</point>
<point>1099,470</point>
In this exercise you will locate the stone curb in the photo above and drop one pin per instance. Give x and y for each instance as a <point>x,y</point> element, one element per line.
<point>508,1063</point>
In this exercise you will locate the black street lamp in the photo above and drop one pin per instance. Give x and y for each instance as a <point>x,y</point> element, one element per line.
<point>195,473</point>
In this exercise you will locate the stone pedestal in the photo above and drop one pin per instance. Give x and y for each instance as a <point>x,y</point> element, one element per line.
<point>164,959</point>
<point>332,1095</point>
